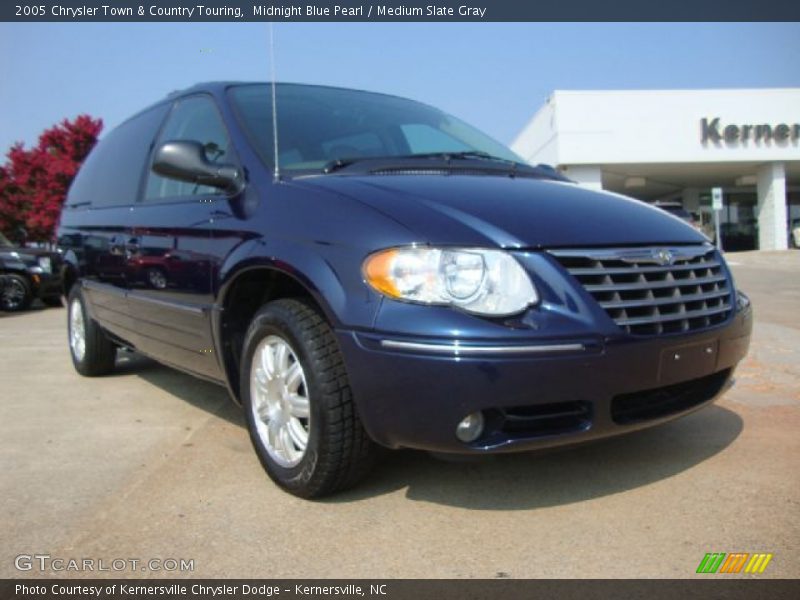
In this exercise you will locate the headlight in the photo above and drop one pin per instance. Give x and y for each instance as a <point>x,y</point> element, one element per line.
<point>46,264</point>
<point>485,282</point>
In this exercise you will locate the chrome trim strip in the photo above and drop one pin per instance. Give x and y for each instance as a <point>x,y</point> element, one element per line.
<point>458,349</point>
<point>195,310</point>
<point>636,253</point>
<point>637,270</point>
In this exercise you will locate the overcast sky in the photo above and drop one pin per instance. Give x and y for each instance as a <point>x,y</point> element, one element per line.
<point>492,75</point>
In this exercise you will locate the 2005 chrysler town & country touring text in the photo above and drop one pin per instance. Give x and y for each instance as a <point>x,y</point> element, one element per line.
<point>399,280</point>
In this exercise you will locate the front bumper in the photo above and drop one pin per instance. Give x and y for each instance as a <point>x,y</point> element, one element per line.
<point>412,391</point>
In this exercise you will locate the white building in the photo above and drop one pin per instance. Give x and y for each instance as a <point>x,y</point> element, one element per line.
<point>677,145</point>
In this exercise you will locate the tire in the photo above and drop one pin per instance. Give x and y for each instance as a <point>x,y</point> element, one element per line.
<point>54,301</point>
<point>16,294</point>
<point>338,452</point>
<point>96,354</point>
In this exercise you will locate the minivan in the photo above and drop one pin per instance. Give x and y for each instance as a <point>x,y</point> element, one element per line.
<point>363,271</point>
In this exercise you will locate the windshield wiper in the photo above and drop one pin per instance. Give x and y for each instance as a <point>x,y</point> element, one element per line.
<point>341,163</point>
<point>515,168</point>
<point>467,154</point>
<point>460,154</point>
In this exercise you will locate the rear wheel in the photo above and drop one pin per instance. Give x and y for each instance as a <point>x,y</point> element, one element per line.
<point>92,352</point>
<point>298,403</point>
<point>16,293</point>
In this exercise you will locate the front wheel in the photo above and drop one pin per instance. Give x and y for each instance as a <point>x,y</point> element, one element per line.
<point>156,278</point>
<point>92,352</point>
<point>298,404</point>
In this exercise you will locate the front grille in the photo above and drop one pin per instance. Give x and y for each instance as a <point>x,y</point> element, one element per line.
<point>668,400</point>
<point>654,291</point>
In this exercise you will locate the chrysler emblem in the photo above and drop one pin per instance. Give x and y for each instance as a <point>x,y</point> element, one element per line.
<point>664,256</point>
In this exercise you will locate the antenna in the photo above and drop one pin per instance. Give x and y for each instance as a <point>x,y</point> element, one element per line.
<point>277,172</point>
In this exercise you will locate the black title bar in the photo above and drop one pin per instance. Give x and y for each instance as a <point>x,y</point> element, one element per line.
<point>411,10</point>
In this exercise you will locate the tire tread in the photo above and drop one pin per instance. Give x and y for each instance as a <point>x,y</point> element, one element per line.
<point>101,353</point>
<point>346,452</point>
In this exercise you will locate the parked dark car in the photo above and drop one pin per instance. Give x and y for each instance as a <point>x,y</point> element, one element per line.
<point>27,274</point>
<point>386,275</point>
<point>739,237</point>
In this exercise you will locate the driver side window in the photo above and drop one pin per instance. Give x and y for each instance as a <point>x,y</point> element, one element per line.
<point>194,119</point>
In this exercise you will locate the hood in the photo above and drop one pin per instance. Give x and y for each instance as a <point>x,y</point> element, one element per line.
<point>511,212</point>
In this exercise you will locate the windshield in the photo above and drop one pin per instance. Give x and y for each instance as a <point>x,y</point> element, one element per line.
<point>318,125</point>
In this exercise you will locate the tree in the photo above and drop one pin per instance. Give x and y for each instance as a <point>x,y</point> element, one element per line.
<point>34,182</point>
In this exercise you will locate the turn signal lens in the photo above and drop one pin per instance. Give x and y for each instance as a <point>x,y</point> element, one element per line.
<point>378,270</point>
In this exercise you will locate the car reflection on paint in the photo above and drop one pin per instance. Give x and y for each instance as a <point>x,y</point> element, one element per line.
<point>158,268</point>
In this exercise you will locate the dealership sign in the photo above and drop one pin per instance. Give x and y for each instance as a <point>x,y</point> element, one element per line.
<point>714,131</point>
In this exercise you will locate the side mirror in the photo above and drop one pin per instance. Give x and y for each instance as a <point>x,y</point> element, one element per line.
<point>186,161</point>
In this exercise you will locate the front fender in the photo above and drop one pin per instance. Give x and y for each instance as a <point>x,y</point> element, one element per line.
<point>330,273</point>
<point>326,272</point>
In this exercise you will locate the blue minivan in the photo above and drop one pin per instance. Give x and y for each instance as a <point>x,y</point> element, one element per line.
<point>364,271</point>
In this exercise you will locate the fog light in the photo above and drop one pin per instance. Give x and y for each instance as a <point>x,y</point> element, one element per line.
<point>470,428</point>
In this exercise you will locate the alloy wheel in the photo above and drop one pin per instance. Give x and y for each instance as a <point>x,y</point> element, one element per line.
<point>13,294</point>
<point>77,330</point>
<point>280,401</point>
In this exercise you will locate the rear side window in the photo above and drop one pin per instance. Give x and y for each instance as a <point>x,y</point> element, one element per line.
<point>195,119</point>
<point>111,174</point>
